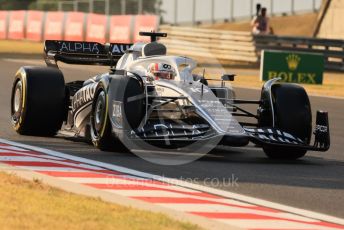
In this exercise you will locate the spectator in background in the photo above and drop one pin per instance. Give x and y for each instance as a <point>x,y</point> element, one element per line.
<point>260,23</point>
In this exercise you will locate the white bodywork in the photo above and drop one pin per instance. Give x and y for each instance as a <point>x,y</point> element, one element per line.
<point>135,61</point>
<point>201,96</point>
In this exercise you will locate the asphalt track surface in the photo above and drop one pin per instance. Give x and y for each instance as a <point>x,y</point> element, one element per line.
<point>316,182</point>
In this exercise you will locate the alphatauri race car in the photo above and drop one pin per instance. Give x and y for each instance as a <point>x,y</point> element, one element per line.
<point>148,98</point>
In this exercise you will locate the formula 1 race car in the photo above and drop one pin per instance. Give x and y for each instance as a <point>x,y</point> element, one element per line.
<point>152,98</point>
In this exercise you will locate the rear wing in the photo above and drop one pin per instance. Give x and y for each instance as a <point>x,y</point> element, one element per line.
<point>84,53</point>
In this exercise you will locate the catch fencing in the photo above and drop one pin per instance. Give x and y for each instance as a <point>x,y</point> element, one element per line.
<point>76,26</point>
<point>186,12</point>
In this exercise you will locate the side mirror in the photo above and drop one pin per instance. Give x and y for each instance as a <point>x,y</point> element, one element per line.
<point>228,77</point>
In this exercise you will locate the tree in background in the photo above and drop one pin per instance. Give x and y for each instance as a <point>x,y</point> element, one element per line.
<point>15,4</point>
<point>47,5</point>
<point>148,6</point>
<point>130,6</point>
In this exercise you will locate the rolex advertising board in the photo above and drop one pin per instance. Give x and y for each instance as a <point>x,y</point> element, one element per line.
<point>305,68</point>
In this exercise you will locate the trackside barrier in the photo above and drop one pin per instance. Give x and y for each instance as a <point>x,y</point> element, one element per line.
<point>76,26</point>
<point>54,26</point>
<point>34,28</point>
<point>16,25</point>
<point>3,24</point>
<point>96,28</point>
<point>120,32</point>
<point>246,48</point>
<point>144,23</point>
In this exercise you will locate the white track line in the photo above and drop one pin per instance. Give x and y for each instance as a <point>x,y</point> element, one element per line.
<point>218,208</point>
<point>231,195</point>
<point>272,224</point>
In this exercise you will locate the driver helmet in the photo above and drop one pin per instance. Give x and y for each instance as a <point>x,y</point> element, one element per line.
<point>161,71</point>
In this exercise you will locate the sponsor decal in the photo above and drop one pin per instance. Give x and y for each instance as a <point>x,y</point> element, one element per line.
<point>167,66</point>
<point>79,47</point>
<point>117,109</point>
<point>91,47</point>
<point>169,130</point>
<point>293,61</point>
<point>289,77</point>
<point>117,114</point>
<point>83,96</point>
<point>321,128</point>
<point>292,67</point>
<point>120,48</point>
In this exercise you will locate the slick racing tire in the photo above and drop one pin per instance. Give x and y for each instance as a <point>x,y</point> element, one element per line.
<point>131,113</point>
<point>100,130</point>
<point>101,134</point>
<point>38,102</point>
<point>293,115</point>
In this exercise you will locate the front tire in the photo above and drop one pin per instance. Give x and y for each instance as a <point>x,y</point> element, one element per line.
<point>101,134</point>
<point>38,105</point>
<point>292,112</point>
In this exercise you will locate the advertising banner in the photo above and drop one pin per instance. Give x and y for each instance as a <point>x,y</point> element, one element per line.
<point>16,25</point>
<point>3,24</point>
<point>53,28</point>
<point>120,28</point>
<point>96,28</point>
<point>305,68</point>
<point>74,29</point>
<point>145,23</point>
<point>34,26</point>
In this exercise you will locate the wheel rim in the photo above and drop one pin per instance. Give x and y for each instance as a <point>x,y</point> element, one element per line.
<point>17,101</point>
<point>99,112</point>
<point>17,97</point>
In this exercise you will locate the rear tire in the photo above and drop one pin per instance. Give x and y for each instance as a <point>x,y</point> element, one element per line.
<point>293,115</point>
<point>38,104</point>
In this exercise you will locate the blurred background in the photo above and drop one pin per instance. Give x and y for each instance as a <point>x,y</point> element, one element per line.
<point>224,28</point>
<point>171,11</point>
